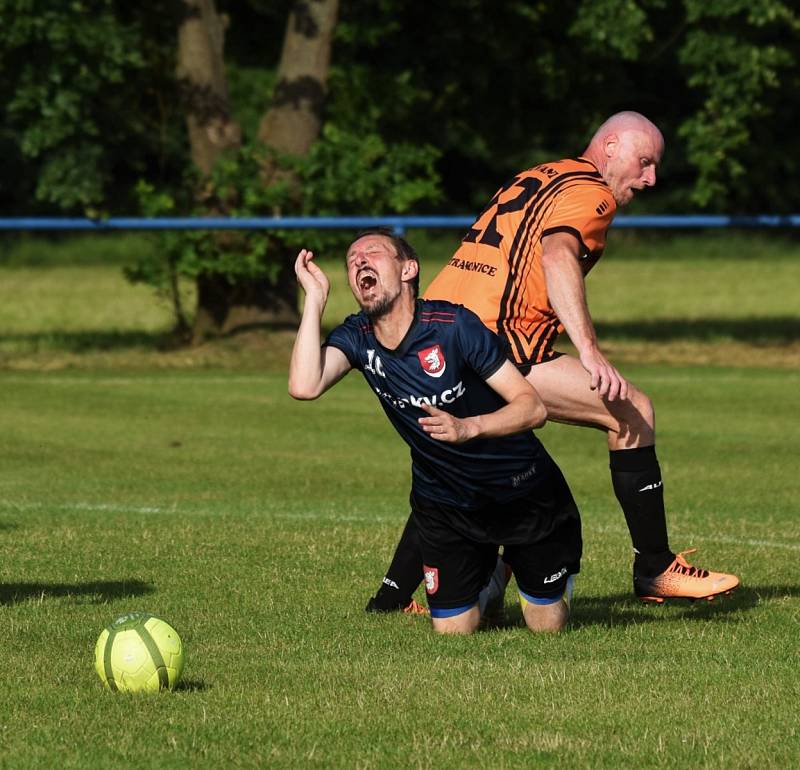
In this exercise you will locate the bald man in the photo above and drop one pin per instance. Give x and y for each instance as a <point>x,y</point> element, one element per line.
<point>521,269</point>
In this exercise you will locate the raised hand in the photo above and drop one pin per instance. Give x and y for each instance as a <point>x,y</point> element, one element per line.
<point>311,277</point>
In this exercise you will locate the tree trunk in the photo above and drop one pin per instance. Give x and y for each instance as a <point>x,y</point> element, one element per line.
<point>224,307</point>
<point>294,120</point>
<point>202,84</point>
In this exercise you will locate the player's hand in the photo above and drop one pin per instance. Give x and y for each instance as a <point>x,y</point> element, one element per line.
<point>311,277</point>
<point>442,426</point>
<point>603,376</point>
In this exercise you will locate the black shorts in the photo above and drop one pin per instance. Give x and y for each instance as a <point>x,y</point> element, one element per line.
<point>540,535</point>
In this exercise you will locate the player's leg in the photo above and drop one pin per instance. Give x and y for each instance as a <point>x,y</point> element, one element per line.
<point>455,569</point>
<point>547,614</point>
<point>403,576</point>
<point>563,385</point>
<point>454,572</point>
<point>465,622</point>
<point>546,564</point>
<point>491,600</point>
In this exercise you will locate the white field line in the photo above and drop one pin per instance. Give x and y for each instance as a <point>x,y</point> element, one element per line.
<point>320,516</point>
<point>9,505</point>
<point>750,542</point>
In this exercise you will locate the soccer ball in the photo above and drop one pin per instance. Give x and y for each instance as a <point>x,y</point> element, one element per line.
<point>139,652</point>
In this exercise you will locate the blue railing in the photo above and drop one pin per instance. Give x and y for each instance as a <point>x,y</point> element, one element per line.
<point>398,224</point>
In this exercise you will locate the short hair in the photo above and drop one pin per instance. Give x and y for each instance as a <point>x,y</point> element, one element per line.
<point>403,248</point>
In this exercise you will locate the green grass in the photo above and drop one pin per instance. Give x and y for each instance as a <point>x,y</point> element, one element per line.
<point>73,249</point>
<point>186,483</point>
<point>713,298</point>
<point>259,526</point>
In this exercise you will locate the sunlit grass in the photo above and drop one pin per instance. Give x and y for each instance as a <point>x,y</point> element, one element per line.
<point>186,482</point>
<point>259,527</point>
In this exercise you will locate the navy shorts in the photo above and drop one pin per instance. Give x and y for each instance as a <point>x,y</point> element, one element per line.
<point>540,534</point>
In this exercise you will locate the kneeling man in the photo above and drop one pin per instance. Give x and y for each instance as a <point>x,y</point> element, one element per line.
<point>480,478</point>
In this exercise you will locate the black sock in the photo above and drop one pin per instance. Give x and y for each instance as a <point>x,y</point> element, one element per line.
<point>404,574</point>
<point>636,477</point>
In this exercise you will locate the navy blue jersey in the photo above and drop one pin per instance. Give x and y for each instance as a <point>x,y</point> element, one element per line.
<point>444,360</point>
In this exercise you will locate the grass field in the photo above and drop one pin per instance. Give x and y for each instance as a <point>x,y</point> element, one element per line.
<point>188,484</point>
<point>712,299</point>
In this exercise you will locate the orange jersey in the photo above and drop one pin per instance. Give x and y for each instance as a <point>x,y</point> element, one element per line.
<point>497,271</point>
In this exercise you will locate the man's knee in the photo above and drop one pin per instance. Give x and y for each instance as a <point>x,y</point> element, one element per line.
<point>635,420</point>
<point>546,618</point>
<point>644,408</point>
<point>549,619</point>
<point>547,615</point>
<point>464,622</point>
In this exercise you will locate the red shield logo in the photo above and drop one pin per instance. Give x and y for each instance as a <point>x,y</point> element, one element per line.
<point>431,579</point>
<point>432,360</point>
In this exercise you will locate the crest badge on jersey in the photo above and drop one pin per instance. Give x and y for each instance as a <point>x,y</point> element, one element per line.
<point>431,579</point>
<point>432,360</point>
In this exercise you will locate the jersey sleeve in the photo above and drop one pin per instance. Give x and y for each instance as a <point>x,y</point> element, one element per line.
<point>345,337</point>
<point>481,348</point>
<point>585,211</point>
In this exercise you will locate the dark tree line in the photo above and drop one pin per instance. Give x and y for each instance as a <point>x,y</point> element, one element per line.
<point>373,107</point>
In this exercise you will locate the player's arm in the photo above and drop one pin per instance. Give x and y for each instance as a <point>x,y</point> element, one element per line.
<point>523,411</point>
<point>567,293</point>
<point>313,369</point>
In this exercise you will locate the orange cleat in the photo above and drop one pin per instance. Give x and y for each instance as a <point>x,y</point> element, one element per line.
<point>415,608</point>
<point>683,581</point>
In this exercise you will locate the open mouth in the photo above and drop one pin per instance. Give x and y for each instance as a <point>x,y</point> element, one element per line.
<point>367,280</point>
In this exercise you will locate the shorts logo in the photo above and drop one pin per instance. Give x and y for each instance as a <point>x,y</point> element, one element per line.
<point>431,579</point>
<point>555,576</point>
<point>432,360</point>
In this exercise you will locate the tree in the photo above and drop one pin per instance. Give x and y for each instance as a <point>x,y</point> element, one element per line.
<point>70,72</point>
<point>718,67</point>
<point>289,127</point>
<point>298,161</point>
<point>372,108</point>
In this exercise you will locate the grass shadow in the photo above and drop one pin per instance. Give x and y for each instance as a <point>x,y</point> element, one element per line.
<point>89,341</point>
<point>624,609</point>
<point>767,330</point>
<point>192,685</point>
<point>96,592</point>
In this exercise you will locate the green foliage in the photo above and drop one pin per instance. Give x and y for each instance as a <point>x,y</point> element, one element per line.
<point>734,63</point>
<point>90,107</point>
<point>344,173</point>
<point>68,60</point>
<point>721,64</point>
<point>350,173</point>
<point>79,94</point>
<point>249,90</point>
<point>621,25</point>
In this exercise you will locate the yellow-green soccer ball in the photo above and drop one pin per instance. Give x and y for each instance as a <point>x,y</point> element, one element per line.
<point>139,652</point>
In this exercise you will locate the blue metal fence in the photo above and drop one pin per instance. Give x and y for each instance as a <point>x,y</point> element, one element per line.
<point>398,224</point>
